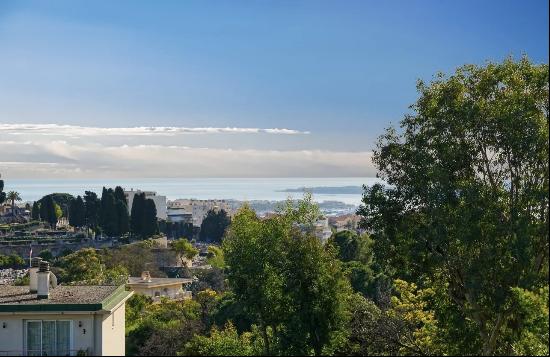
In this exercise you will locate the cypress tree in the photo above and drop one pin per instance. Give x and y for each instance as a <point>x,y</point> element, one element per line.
<point>2,193</point>
<point>35,212</point>
<point>120,196</point>
<point>136,219</point>
<point>92,207</point>
<point>47,211</point>
<point>77,213</point>
<point>108,214</point>
<point>123,217</point>
<point>150,223</point>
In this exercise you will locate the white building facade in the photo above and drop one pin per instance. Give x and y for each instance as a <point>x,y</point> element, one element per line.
<point>160,201</point>
<point>199,208</point>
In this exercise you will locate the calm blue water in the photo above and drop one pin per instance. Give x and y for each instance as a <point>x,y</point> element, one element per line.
<point>200,188</point>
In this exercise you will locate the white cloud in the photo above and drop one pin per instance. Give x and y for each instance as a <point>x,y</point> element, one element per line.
<point>78,131</point>
<point>62,159</point>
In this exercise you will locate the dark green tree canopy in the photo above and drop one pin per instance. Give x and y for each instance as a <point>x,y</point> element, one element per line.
<point>62,199</point>
<point>47,210</point>
<point>119,195</point>
<point>2,193</point>
<point>93,206</point>
<point>213,226</point>
<point>35,212</point>
<point>77,213</point>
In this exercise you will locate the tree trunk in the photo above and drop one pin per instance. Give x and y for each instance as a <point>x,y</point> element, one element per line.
<point>489,345</point>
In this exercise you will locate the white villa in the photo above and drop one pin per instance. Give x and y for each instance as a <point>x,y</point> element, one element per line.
<point>43,319</point>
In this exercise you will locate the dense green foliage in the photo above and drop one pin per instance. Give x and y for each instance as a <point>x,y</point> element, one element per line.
<point>213,226</point>
<point>185,250</point>
<point>85,267</point>
<point>467,209</point>
<point>11,261</point>
<point>298,304</point>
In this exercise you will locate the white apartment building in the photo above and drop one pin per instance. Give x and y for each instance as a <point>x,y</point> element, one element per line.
<point>199,208</point>
<point>160,201</point>
<point>179,215</point>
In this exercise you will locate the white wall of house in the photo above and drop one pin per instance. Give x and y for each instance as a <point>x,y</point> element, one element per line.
<point>113,338</point>
<point>99,334</point>
<point>172,291</point>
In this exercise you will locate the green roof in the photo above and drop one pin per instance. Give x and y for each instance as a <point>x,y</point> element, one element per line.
<point>62,298</point>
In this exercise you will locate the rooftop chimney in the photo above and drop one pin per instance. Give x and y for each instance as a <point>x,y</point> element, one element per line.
<point>35,262</point>
<point>43,280</point>
<point>145,276</point>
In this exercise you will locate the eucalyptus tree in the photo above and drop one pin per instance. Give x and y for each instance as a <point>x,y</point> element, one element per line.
<point>467,203</point>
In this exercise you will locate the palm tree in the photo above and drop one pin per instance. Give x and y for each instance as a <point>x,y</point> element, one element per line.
<point>13,196</point>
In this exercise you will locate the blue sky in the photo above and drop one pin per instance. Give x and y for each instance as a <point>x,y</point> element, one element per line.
<point>337,72</point>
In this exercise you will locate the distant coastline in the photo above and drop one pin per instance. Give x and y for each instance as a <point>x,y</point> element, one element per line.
<point>342,190</point>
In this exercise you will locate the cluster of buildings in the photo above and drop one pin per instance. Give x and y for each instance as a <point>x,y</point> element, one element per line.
<point>193,210</point>
<point>9,214</point>
<point>180,210</point>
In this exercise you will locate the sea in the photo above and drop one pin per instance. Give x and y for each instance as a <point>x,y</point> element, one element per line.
<point>242,189</point>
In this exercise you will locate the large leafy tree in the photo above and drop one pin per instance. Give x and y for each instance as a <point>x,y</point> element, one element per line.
<point>468,197</point>
<point>292,287</point>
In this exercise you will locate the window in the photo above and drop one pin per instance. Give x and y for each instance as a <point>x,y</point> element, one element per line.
<point>48,337</point>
